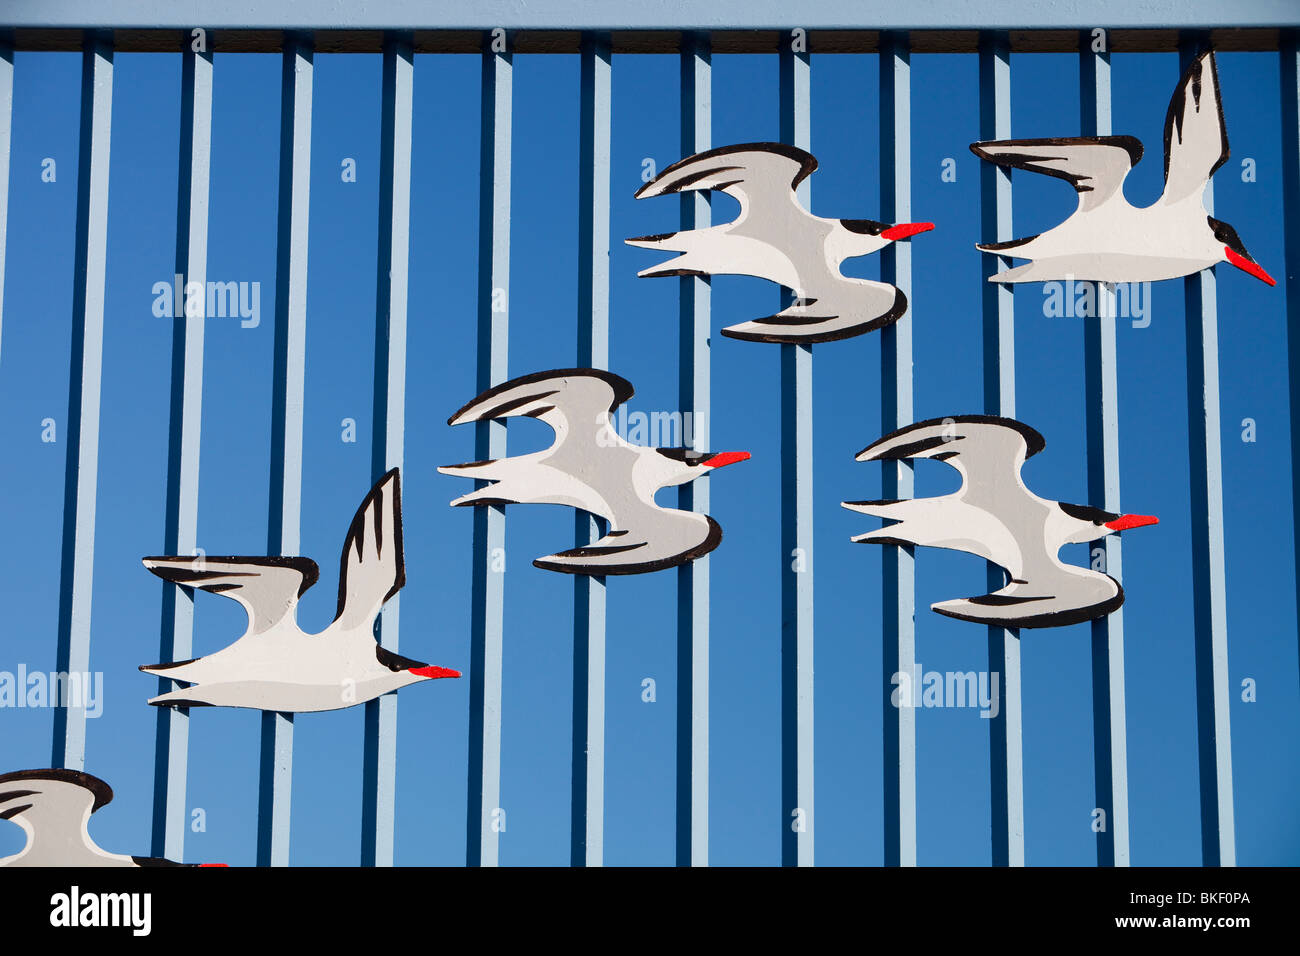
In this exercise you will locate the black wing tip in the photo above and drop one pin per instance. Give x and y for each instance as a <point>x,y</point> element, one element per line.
<point>807,162</point>
<point>1076,615</point>
<point>896,312</point>
<point>710,542</point>
<point>622,388</point>
<point>1034,441</point>
<point>103,793</point>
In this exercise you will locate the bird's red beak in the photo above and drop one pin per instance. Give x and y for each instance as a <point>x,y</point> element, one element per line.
<point>433,673</point>
<point>904,229</point>
<point>1245,265</point>
<point>224,866</point>
<point>1124,522</point>
<point>724,458</point>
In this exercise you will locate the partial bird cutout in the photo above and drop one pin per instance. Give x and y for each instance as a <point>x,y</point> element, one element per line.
<point>53,807</point>
<point>1107,240</point>
<point>993,515</point>
<point>275,665</point>
<point>592,468</point>
<point>775,238</point>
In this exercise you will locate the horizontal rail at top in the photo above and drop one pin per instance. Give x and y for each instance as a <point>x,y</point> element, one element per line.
<point>1253,39</point>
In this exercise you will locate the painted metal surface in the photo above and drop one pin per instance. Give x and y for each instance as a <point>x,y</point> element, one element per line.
<point>171,760</point>
<point>6,129</point>
<point>796,520</point>
<point>1289,58</point>
<point>90,251</point>
<point>678,14</point>
<point>694,364</point>
<point>285,512</point>
<point>898,583</point>
<point>483,807</point>
<point>1006,753</point>
<point>1209,583</point>
<point>392,274</point>
<point>587,837</point>
<point>1101,377</point>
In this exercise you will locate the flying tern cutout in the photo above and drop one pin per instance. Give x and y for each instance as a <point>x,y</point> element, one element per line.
<point>53,807</point>
<point>591,467</point>
<point>775,238</point>
<point>1107,240</point>
<point>275,665</point>
<point>993,515</point>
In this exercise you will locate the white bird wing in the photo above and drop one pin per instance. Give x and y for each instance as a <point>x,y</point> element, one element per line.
<point>1094,165</point>
<point>1196,139</point>
<point>576,403</point>
<point>373,567</point>
<point>1052,595</point>
<point>755,174</point>
<point>648,538</point>
<point>987,450</point>
<point>56,804</point>
<point>268,588</point>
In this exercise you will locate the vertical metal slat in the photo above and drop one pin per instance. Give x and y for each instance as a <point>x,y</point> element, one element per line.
<point>588,796</point>
<point>1006,755</point>
<point>82,474</point>
<point>6,125</point>
<point>171,760</point>
<point>1110,748</point>
<point>693,384</point>
<point>796,523</point>
<point>1290,73</point>
<point>898,599</point>
<point>285,512</point>
<point>488,588</point>
<point>1209,584</point>
<point>379,780</point>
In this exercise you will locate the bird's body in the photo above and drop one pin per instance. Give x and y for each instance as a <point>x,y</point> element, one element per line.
<point>592,468</point>
<point>275,665</point>
<point>53,807</point>
<point>774,237</point>
<point>994,516</point>
<point>1107,239</point>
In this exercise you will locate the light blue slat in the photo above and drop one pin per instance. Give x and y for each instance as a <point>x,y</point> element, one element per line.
<point>1290,80</point>
<point>379,786</point>
<point>693,385</point>
<point>285,520</point>
<point>1110,747</point>
<point>82,475</point>
<point>588,797</point>
<point>6,121</point>
<point>1209,584</point>
<point>1006,750</point>
<point>796,521</point>
<point>484,807</point>
<point>176,642</point>
<point>898,600</point>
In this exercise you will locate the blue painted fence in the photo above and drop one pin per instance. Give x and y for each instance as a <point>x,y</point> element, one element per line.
<point>931,30</point>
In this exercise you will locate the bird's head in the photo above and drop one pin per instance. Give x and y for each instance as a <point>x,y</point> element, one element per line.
<point>676,466</point>
<point>1228,247</point>
<point>413,670</point>
<point>1080,523</point>
<point>861,237</point>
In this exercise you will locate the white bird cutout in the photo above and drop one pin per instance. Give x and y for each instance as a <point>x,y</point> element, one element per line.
<point>592,468</point>
<point>775,238</point>
<point>53,807</point>
<point>993,515</point>
<point>1107,240</point>
<point>275,665</point>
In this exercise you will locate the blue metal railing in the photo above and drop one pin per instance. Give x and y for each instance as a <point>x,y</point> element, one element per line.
<point>696,50</point>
